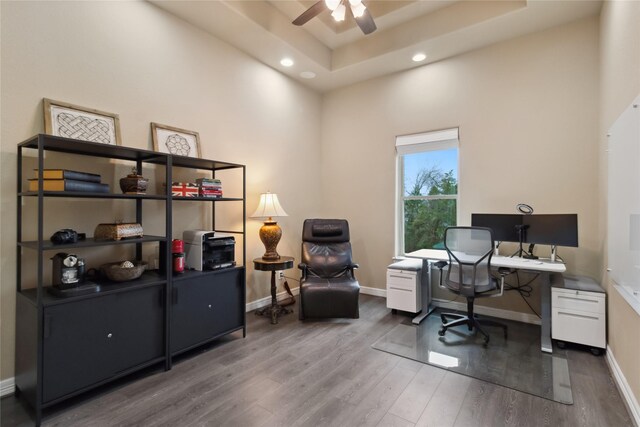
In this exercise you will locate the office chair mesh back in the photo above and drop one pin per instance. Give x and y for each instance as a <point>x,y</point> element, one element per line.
<point>470,251</point>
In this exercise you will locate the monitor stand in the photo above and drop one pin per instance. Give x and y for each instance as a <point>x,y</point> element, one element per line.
<point>554,253</point>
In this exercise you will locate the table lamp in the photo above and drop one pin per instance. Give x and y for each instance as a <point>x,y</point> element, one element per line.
<point>270,233</point>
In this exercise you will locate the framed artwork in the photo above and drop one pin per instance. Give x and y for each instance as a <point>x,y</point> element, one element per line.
<point>85,124</point>
<point>172,140</point>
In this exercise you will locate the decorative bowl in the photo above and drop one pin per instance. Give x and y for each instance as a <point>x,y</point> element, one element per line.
<point>121,271</point>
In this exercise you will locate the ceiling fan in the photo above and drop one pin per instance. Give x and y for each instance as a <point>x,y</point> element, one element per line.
<point>339,8</point>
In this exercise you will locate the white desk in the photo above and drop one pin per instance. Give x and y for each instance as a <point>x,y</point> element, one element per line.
<point>543,266</point>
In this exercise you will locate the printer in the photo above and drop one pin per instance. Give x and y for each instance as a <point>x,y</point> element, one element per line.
<point>206,250</point>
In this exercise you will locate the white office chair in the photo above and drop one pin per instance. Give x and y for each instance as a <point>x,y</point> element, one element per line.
<point>468,273</point>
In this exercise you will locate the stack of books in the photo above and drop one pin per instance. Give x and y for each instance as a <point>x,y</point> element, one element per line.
<point>68,180</point>
<point>209,187</point>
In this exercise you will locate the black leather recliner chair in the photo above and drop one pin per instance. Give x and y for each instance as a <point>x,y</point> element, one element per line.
<point>328,287</point>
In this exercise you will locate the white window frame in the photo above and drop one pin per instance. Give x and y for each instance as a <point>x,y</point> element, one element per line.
<point>438,140</point>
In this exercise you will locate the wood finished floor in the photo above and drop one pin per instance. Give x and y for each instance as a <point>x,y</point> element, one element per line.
<point>325,373</point>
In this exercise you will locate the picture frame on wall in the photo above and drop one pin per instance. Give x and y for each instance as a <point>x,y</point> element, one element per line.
<point>176,141</point>
<point>82,123</point>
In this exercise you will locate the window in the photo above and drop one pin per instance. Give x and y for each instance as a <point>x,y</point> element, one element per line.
<point>427,171</point>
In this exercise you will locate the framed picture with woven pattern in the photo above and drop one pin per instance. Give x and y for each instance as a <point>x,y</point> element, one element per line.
<point>85,124</point>
<point>173,140</point>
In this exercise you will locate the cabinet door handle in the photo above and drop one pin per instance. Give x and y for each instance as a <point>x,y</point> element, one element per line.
<point>578,299</point>
<point>400,289</point>
<point>580,316</point>
<point>209,305</point>
<point>109,335</point>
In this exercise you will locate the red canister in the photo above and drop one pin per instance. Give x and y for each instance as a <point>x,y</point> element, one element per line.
<point>177,245</point>
<point>178,262</point>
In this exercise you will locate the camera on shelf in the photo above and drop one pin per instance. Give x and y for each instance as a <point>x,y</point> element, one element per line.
<point>66,235</point>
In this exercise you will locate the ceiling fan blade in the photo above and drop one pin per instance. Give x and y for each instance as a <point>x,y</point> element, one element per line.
<point>312,12</point>
<point>365,22</point>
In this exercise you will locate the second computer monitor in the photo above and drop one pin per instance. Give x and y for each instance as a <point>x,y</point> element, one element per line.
<point>558,229</point>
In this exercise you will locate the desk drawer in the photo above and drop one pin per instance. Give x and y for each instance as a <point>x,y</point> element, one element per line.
<point>579,327</point>
<point>403,279</point>
<point>591,302</point>
<point>403,299</point>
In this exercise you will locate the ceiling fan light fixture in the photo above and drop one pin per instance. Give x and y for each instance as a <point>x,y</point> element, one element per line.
<point>339,13</point>
<point>332,4</point>
<point>357,9</point>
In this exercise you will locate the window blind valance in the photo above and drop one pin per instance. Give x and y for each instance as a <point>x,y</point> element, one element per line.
<point>427,141</point>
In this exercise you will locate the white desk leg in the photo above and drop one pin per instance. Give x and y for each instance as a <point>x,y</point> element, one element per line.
<point>425,282</point>
<point>545,308</point>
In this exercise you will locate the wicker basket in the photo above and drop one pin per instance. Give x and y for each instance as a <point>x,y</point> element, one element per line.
<point>117,231</point>
<point>116,272</point>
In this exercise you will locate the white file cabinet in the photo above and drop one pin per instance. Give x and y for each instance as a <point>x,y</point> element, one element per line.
<point>404,290</point>
<point>578,312</point>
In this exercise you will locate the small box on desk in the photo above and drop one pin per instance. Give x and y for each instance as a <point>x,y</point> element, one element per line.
<point>184,189</point>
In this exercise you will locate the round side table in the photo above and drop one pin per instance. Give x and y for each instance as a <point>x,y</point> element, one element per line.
<point>282,263</point>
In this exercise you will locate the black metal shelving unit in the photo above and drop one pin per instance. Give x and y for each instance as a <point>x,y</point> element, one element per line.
<point>66,346</point>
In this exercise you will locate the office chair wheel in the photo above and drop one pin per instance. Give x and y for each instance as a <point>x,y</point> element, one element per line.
<point>486,340</point>
<point>442,331</point>
<point>561,344</point>
<point>596,351</point>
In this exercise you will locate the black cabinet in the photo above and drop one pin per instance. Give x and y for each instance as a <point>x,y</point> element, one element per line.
<point>65,346</point>
<point>88,341</point>
<point>206,307</point>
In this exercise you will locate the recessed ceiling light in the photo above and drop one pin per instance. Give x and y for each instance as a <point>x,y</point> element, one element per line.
<point>418,57</point>
<point>307,74</point>
<point>286,62</point>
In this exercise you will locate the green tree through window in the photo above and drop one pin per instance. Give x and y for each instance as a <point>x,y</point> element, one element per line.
<point>430,201</point>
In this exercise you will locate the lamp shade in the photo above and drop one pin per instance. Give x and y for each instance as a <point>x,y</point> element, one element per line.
<point>269,207</point>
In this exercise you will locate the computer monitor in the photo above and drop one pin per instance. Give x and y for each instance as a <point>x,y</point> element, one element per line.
<point>555,230</point>
<point>504,226</point>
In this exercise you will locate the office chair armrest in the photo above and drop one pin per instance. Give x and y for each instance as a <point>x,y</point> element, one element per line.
<point>440,264</point>
<point>353,266</point>
<point>505,271</point>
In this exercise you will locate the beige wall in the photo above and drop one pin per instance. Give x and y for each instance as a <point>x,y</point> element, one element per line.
<point>527,110</point>
<point>136,60</point>
<point>619,85</point>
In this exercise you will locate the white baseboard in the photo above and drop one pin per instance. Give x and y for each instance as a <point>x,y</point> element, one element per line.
<point>488,311</point>
<point>373,291</point>
<point>459,306</point>
<point>263,302</point>
<point>625,390</point>
<point>7,386</point>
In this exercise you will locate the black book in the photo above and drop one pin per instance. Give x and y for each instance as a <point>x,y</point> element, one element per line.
<point>69,185</point>
<point>68,174</point>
